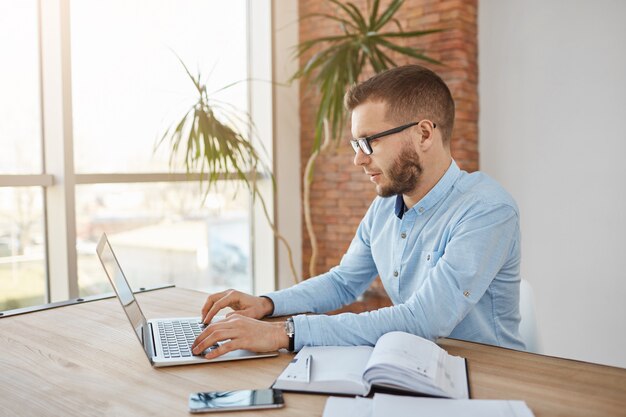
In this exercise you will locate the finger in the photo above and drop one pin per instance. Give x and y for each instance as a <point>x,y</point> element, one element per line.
<point>211,299</point>
<point>212,339</point>
<point>225,301</point>
<point>224,348</point>
<point>208,330</point>
<point>209,302</point>
<point>224,324</point>
<point>215,308</point>
<point>248,312</point>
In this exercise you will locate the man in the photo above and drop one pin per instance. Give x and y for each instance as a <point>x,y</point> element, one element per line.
<point>445,243</point>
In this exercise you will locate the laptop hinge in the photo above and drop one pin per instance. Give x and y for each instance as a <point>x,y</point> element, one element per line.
<point>148,342</point>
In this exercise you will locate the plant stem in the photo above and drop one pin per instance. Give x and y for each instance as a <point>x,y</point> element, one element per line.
<point>308,180</point>
<point>277,234</point>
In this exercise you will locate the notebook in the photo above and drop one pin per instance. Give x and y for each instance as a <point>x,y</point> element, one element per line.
<point>166,342</point>
<point>399,362</point>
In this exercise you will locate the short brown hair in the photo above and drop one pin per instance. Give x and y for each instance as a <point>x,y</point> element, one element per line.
<point>412,93</point>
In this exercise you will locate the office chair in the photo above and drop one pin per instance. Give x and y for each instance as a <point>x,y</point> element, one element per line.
<point>528,324</point>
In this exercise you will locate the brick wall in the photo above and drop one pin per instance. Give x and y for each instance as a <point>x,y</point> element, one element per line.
<point>341,193</point>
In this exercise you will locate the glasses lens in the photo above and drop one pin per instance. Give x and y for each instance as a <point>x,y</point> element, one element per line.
<point>365,146</point>
<point>355,145</point>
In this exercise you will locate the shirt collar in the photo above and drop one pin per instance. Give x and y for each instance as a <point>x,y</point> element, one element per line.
<point>434,195</point>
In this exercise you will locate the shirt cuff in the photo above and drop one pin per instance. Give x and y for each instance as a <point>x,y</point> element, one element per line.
<point>280,307</point>
<point>303,332</point>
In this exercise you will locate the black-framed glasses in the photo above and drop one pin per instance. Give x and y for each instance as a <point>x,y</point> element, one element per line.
<point>364,143</point>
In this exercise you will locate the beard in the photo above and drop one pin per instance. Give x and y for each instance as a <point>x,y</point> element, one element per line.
<point>403,174</point>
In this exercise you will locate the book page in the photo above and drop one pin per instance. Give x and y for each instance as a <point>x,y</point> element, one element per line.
<point>403,361</point>
<point>452,376</point>
<point>333,369</point>
<point>333,363</point>
<point>406,351</point>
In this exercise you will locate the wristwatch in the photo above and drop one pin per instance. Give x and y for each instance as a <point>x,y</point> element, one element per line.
<point>290,329</point>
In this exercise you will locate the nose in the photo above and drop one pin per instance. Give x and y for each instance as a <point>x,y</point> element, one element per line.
<point>360,158</point>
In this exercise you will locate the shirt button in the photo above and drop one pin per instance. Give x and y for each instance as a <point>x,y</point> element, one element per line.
<point>466,293</point>
<point>421,209</point>
<point>428,257</point>
<point>403,235</point>
<point>395,274</point>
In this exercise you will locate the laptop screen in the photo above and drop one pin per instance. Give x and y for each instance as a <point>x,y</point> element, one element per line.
<point>121,287</point>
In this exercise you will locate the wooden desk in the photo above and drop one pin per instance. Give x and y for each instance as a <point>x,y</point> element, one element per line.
<point>84,360</point>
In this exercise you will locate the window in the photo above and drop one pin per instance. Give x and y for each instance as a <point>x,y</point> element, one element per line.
<point>22,249</point>
<point>127,83</point>
<point>162,234</point>
<point>80,120</point>
<point>22,255</point>
<point>20,116</point>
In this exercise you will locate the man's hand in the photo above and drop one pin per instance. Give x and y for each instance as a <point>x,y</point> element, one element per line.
<point>243,304</point>
<point>244,333</point>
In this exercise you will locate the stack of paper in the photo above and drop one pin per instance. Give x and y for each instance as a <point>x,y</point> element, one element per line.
<point>384,405</point>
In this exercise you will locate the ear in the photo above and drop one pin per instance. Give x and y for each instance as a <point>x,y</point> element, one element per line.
<point>427,135</point>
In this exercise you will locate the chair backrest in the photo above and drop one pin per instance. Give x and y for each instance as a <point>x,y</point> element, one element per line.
<point>528,325</point>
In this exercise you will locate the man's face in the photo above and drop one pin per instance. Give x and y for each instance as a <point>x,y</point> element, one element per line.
<point>394,165</point>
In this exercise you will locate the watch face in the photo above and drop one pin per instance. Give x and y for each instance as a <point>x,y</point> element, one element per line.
<point>289,328</point>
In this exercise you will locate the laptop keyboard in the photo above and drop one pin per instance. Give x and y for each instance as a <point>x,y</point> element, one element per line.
<point>177,336</point>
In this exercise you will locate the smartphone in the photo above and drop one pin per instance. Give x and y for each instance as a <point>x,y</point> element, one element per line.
<point>255,399</point>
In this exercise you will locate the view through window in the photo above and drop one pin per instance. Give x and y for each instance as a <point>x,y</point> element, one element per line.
<point>127,87</point>
<point>162,234</point>
<point>22,256</point>
<point>22,249</point>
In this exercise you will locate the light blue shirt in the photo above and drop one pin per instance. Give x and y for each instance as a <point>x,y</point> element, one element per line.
<point>450,264</point>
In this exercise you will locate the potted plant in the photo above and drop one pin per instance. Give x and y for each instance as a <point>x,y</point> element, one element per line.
<point>210,141</point>
<point>367,41</point>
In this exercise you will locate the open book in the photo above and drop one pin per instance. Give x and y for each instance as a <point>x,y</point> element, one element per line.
<point>399,362</point>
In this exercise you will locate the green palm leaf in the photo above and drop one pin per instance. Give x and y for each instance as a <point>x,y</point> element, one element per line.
<point>342,58</point>
<point>212,145</point>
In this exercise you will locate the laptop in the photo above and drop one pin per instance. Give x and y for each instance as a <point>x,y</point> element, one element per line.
<point>166,342</point>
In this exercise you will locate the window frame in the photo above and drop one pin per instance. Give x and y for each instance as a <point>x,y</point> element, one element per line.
<point>59,179</point>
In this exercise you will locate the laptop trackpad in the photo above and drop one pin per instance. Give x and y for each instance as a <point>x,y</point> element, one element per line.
<point>237,353</point>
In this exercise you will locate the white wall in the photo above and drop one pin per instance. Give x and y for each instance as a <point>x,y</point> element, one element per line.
<point>553,132</point>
